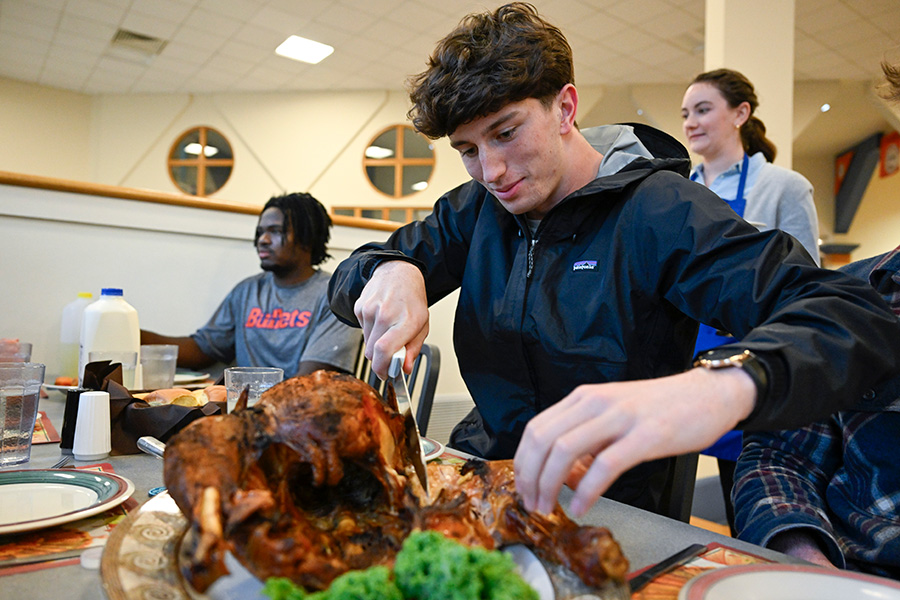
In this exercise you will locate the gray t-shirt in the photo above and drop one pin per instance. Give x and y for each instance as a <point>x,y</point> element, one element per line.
<point>260,324</point>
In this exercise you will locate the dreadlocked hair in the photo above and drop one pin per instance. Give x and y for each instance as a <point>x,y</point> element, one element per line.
<point>308,222</point>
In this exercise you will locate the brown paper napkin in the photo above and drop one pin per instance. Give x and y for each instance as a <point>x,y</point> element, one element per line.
<point>130,417</point>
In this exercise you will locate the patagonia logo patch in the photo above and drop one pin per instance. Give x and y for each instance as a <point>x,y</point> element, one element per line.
<point>584,265</point>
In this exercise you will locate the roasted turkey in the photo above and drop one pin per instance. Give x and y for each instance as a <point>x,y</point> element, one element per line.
<point>314,481</point>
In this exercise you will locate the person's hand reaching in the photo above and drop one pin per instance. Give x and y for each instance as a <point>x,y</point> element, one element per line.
<point>599,431</point>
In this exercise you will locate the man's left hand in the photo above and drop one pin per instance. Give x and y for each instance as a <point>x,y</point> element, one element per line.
<point>599,431</point>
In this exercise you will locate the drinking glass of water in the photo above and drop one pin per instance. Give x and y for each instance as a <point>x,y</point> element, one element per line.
<point>255,380</point>
<point>20,386</point>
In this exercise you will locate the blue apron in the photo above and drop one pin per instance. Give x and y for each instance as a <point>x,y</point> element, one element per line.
<point>729,445</point>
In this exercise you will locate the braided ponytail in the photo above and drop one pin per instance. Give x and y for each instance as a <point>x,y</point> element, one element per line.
<point>753,136</point>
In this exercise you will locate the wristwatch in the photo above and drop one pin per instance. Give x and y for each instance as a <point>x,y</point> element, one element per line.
<point>724,358</point>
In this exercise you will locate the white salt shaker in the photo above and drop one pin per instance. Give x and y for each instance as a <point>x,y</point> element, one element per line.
<point>92,435</point>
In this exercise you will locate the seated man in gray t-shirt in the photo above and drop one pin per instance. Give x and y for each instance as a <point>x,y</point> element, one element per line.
<point>280,317</point>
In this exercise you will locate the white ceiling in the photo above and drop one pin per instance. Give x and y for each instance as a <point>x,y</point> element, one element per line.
<point>228,45</point>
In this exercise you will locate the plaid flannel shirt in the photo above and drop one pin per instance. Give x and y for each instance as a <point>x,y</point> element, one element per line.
<point>838,479</point>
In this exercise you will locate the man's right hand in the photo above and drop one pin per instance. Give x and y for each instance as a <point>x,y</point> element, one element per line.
<point>393,312</point>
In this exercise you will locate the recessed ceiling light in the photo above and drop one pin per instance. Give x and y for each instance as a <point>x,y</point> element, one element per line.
<point>825,107</point>
<point>304,50</point>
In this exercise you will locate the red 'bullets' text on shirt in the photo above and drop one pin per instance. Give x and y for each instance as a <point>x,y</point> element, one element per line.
<point>277,319</point>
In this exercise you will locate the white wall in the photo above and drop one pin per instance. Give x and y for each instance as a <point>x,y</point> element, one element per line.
<point>44,130</point>
<point>309,141</point>
<point>175,264</point>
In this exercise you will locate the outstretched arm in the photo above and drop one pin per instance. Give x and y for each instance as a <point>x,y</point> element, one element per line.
<point>189,353</point>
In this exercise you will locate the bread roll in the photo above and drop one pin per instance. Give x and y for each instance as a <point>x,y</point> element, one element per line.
<point>195,398</point>
<point>215,393</point>
<point>183,397</point>
<point>169,396</point>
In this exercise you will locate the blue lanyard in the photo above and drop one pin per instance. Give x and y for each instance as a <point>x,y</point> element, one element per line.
<point>743,180</point>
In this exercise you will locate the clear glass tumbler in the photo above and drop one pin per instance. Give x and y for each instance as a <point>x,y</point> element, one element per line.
<point>20,387</point>
<point>158,362</point>
<point>255,380</point>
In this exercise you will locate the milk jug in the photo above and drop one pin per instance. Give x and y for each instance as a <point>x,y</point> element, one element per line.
<point>70,334</point>
<point>109,324</point>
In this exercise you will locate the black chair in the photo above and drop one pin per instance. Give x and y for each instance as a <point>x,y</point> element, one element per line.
<point>422,381</point>
<point>678,493</point>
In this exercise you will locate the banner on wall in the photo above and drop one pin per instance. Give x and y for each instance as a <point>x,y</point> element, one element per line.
<point>890,154</point>
<point>841,164</point>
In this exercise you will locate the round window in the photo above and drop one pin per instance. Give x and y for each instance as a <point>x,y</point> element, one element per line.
<point>399,161</point>
<point>200,161</point>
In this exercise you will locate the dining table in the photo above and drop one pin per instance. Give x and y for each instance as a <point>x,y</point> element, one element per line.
<point>645,538</point>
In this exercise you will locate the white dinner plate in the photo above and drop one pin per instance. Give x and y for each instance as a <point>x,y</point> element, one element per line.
<point>189,377</point>
<point>787,582</point>
<point>532,570</point>
<point>38,498</point>
<point>431,448</point>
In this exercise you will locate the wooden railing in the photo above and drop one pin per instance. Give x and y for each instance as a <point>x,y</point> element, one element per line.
<point>113,191</point>
<point>393,214</point>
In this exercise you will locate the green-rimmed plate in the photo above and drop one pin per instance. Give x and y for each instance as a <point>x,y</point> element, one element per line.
<point>34,499</point>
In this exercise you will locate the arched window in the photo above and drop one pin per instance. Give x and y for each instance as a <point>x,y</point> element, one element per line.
<point>399,161</point>
<point>200,161</point>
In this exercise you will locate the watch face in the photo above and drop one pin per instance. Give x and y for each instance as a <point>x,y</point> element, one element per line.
<point>746,361</point>
<point>720,359</point>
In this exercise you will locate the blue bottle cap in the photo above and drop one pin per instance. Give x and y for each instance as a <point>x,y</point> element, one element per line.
<point>111,292</point>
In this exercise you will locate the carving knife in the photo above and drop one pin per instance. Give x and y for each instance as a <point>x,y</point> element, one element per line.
<point>398,382</point>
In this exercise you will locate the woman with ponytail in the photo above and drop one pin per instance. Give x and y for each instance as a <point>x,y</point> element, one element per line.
<point>721,128</point>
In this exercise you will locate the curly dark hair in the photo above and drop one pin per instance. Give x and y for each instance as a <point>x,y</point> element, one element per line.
<point>307,220</point>
<point>490,60</point>
<point>736,88</point>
